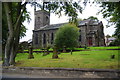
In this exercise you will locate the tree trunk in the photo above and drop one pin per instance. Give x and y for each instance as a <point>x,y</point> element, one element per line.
<point>71,52</point>
<point>16,38</point>
<point>11,61</point>
<point>64,49</point>
<point>10,37</point>
<point>30,52</point>
<point>55,53</point>
<point>14,33</point>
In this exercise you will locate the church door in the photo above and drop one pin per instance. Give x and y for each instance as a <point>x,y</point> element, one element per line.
<point>90,41</point>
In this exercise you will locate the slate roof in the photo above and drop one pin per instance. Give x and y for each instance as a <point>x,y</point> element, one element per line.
<point>88,21</point>
<point>53,26</point>
<point>111,38</point>
<point>84,22</point>
<point>56,26</point>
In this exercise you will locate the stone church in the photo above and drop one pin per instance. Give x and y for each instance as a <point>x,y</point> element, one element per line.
<point>91,31</point>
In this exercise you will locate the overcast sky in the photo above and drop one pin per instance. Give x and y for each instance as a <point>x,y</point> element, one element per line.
<point>54,19</point>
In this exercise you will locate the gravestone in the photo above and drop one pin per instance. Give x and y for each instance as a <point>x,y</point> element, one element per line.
<point>64,49</point>
<point>55,53</point>
<point>30,53</point>
<point>46,51</point>
<point>71,52</point>
<point>112,56</point>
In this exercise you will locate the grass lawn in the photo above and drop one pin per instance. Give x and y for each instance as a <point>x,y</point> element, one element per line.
<point>90,48</point>
<point>109,47</point>
<point>79,59</point>
<point>40,49</point>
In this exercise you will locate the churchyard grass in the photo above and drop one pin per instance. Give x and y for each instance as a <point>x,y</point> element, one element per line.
<point>79,59</point>
<point>88,48</point>
<point>102,48</point>
<point>39,49</point>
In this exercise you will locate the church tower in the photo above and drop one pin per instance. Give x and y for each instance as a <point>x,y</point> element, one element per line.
<point>42,18</point>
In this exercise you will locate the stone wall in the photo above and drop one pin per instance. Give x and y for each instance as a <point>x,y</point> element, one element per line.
<point>42,18</point>
<point>91,34</point>
<point>65,72</point>
<point>48,40</point>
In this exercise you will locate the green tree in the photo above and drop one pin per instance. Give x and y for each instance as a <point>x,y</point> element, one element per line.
<point>93,18</point>
<point>111,11</point>
<point>67,36</point>
<point>5,30</point>
<point>14,19</point>
<point>70,8</point>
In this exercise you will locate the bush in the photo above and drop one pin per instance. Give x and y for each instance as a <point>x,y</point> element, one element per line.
<point>67,36</point>
<point>115,43</point>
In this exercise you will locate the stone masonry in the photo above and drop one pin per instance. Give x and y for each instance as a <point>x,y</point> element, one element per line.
<point>91,31</point>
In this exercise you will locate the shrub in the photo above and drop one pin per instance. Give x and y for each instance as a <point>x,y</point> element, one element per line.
<point>115,43</point>
<point>67,36</point>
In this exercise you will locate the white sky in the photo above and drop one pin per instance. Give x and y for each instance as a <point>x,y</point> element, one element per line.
<point>54,19</point>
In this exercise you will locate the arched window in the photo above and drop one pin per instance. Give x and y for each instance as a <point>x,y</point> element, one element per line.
<point>52,38</point>
<point>36,39</point>
<point>44,38</point>
<point>48,38</point>
<point>80,35</point>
